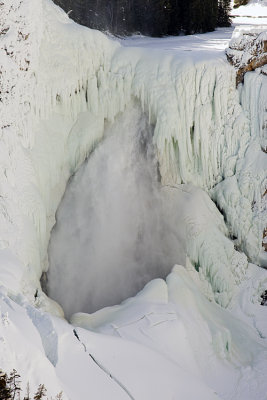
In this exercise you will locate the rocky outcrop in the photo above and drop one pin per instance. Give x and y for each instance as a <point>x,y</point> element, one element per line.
<point>238,3</point>
<point>248,51</point>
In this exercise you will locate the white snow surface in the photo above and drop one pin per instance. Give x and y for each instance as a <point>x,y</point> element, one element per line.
<point>254,9</point>
<point>255,12</point>
<point>201,333</point>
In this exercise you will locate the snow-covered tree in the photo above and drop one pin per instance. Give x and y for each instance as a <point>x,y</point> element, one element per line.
<point>41,392</point>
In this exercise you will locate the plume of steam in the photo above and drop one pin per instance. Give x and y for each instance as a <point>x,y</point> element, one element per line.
<point>114,232</point>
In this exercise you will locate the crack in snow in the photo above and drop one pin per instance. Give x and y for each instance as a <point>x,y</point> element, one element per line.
<point>104,369</point>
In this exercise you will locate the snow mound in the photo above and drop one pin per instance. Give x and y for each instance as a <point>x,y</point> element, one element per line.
<point>255,8</point>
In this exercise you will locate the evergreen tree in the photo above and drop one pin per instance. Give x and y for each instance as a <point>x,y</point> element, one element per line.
<point>175,23</point>
<point>150,17</point>
<point>211,14</point>
<point>10,388</point>
<point>27,395</point>
<point>197,12</point>
<point>142,17</point>
<point>161,14</point>
<point>41,392</point>
<point>14,384</point>
<point>224,7</point>
<point>5,391</point>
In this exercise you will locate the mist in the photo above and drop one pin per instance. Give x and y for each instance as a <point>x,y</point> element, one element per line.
<point>114,230</point>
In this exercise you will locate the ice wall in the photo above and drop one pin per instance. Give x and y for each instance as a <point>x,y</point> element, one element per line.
<point>243,195</point>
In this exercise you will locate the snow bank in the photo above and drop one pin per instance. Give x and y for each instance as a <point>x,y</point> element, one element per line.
<point>254,8</point>
<point>255,12</point>
<point>170,318</point>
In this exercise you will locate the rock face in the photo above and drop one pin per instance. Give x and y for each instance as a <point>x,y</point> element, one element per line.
<point>264,239</point>
<point>238,3</point>
<point>248,51</point>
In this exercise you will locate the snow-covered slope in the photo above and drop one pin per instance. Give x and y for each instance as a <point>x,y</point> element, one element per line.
<point>255,12</point>
<point>60,85</point>
<point>254,8</point>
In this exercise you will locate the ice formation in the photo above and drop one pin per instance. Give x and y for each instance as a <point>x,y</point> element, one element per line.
<point>208,138</point>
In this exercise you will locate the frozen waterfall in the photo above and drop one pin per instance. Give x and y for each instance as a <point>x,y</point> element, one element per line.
<point>114,231</point>
<point>149,146</point>
<point>202,137</point>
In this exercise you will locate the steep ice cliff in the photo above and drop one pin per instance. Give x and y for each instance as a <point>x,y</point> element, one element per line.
<point>60,86</point>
